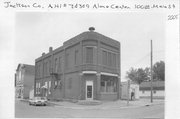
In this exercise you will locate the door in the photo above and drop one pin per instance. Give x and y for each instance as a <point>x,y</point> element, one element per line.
<point>89,90</point>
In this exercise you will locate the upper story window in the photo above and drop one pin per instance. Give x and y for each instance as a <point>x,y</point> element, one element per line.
<point>89,54</point>
<point>39,70</point>
<point>104,58</point>
<point>44,68</point>
<point>67,60</point>
<point>36,70</point>
<point>76,57</point>
<point>60,64</point>
<point>114,59</point>
<point>56,65</point>
<point>20,75</point>
<point>47,66</point>
<point>50,70</point>
<point>109,58</point>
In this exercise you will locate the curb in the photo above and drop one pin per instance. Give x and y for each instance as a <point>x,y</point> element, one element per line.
<point>105,108</point>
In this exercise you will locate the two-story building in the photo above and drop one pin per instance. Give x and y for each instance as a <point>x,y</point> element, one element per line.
<point>24,80</point>
<point>86,67</point>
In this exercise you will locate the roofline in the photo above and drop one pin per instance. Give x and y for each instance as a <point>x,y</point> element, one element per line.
<point>65,44</point>
<point>21,64</point>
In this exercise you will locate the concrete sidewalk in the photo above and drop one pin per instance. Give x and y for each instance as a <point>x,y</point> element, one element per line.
<point>108,104</point>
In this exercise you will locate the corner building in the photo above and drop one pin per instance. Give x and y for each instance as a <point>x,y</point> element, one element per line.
<point>86,67</point>
<point>24,80</point>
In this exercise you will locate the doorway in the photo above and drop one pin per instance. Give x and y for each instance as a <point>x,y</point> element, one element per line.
<point>89,90</point>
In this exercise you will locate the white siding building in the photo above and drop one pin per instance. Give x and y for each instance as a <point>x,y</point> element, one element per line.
<point>133,88</point>
<point>158,89</point>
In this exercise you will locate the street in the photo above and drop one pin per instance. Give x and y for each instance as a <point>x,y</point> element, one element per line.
<point>23,110</point>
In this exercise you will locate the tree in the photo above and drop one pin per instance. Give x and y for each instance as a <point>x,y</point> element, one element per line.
<point>159,71</point>
<point>148,73</point>
<point>137,75</point>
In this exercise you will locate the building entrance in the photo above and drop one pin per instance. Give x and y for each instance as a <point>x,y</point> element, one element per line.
<point>89,90</point>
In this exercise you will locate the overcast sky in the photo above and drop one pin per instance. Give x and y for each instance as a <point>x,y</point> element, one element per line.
<point>36,32</point>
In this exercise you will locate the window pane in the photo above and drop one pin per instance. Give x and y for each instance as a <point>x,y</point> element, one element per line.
<point>59,64</point>
<point>49,66</point>
<point>102,86</point>
<point>76,57</point>
<point>67,60</point>
<point>108,84</point>
<point>56,65</point>
<point>114,60</point>
<point>104,58</point>
<point>89,55</point>
<point>109,59</point>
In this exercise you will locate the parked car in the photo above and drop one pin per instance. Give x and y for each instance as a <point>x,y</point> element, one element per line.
<point>38,101</point>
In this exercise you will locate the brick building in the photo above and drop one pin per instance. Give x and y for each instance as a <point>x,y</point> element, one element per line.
<point>24,80</point>
<point>86,67</point>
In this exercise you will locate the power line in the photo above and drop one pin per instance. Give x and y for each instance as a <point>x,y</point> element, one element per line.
<point>157,52</point>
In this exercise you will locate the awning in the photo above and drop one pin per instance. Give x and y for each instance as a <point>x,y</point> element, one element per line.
<point>89,72</point>
<point>109,74</point>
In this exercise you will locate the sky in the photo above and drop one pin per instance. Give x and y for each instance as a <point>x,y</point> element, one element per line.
<point>35,32</point>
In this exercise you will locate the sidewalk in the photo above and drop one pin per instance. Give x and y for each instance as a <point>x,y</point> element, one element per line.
<point>108,105</point>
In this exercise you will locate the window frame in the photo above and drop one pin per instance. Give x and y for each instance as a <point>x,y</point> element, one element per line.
<point>76,56</point>
<point>66,60</point>
<point>56,65</point>
<point>109,87</point>
<point>89,59</point>
<point>111,58</point>
<point>59,65</point>
<point>104,57</point>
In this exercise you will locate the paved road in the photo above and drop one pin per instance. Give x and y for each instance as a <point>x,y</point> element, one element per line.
<point>23,110</point>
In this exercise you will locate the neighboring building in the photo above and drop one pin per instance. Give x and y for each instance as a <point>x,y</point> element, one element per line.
<point>31,93</point>
<point>158,89</point>
<point>24,80</point>
<point>134,87</point>
<point>86,67</point>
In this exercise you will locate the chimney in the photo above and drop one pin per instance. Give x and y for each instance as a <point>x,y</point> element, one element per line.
<point>91,29</point>
<point>50,49</point>
<point>43,54</point>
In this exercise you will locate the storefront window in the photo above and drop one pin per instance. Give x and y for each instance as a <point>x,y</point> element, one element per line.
<point>103,86</point>
<point>108,83</point>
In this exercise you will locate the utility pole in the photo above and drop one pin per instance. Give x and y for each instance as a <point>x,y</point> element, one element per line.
<point>151,73</point>
<point>128,87</point>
